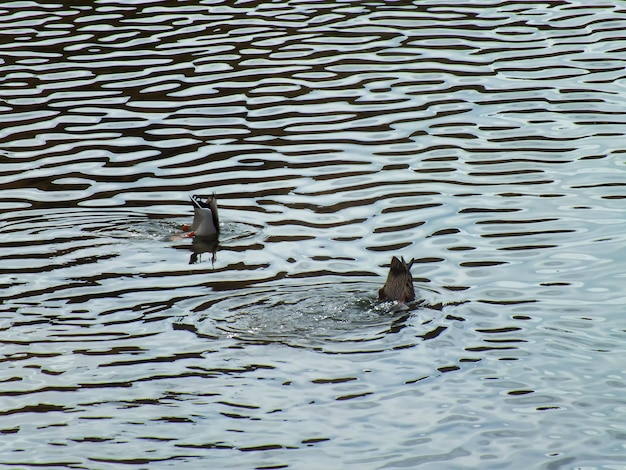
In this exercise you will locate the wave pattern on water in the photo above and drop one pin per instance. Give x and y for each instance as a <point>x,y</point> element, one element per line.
<point>483,140</point>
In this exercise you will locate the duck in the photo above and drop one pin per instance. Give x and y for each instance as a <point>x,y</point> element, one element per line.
<point>399,283</point>
<point>206,221</point>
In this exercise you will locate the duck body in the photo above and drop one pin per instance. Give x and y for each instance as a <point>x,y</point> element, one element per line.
<point>399,283</point>
<point>206,221</point>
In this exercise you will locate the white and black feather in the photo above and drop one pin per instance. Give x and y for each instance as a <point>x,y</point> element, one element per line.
<point>206,221</point>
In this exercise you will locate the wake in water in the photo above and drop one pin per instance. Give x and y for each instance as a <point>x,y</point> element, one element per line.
<point>325,315</point>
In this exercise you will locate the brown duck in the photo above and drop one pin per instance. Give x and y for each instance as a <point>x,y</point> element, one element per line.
<point>399,283</point>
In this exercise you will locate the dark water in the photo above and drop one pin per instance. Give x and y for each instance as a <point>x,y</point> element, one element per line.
<point>485,139</point>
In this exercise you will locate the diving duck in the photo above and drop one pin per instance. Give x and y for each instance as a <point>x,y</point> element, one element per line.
<point>206,222</point>
<point>399,283</point>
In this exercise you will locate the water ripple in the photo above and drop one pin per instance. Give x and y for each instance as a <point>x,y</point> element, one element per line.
<point>482,140</point>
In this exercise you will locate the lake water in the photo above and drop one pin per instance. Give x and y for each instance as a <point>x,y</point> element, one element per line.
<point>484,139</point>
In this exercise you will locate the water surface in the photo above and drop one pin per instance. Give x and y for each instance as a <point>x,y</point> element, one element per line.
<point>482,139</point>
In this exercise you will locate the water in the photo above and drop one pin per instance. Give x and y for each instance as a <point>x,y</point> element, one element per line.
<point>482,139</point>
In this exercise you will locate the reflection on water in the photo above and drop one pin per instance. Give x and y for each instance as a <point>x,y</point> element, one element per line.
<point>483,140</point>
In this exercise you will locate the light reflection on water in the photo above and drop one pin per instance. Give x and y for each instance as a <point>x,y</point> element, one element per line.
<point>482,140</point>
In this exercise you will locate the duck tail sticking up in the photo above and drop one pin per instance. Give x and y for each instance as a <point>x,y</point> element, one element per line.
<point>399,283</point>
<point>206,222</point>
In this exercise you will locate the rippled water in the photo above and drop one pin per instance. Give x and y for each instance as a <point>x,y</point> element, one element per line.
<point>485,139</point>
